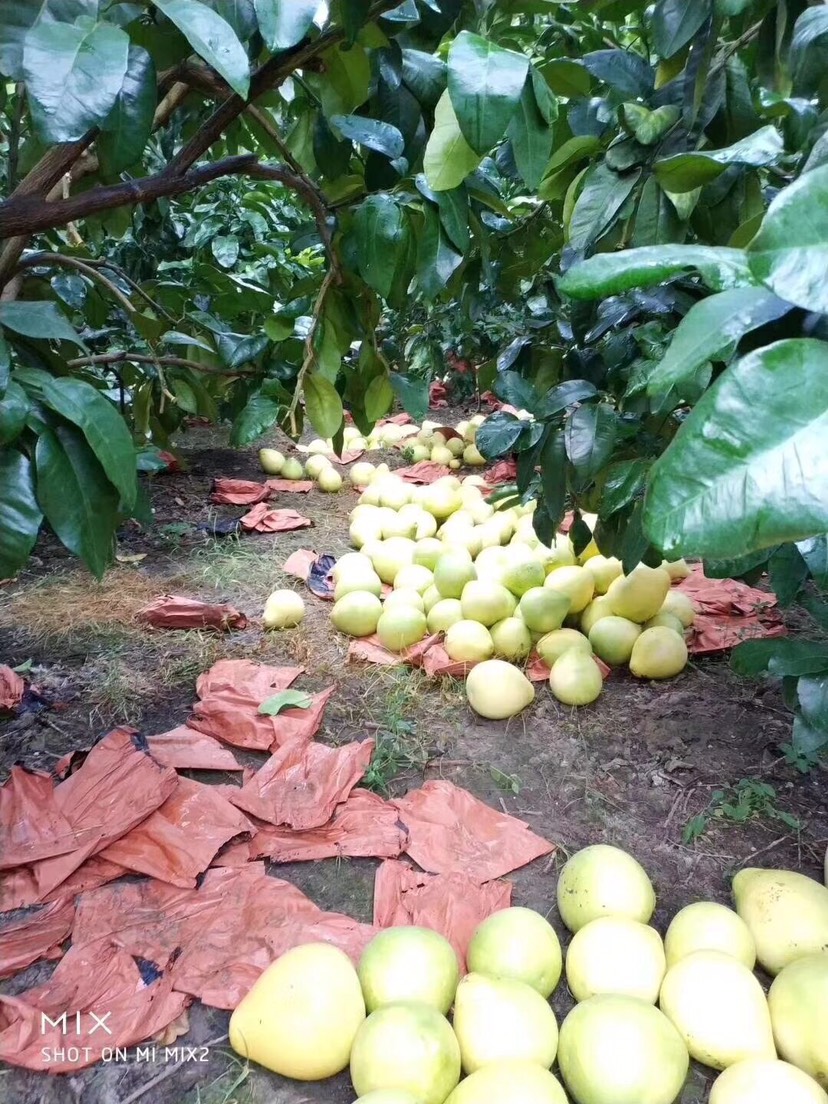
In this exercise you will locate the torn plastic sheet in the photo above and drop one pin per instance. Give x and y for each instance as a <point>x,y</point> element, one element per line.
<point>228,930</point>
<point>289,486</point>
<point>425,471</point>
<point>263,520</point>
<point>727,612</point>
<point>186,749</point>
<point>101,991</point>
<point>452,904</point>
<point>432,657</point>
<point>11,688</point>
<point>450,832</point>
<point>320,581</point>
<point>369,650</point>
<point>32,823</point>
<point>505,471</point>
<point>298,563</point>
<point>238,492</point>
<point>303,782</point>
<point>172,611</point>
<point>35,936</point>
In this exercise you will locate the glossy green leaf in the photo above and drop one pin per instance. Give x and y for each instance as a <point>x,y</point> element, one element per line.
<point>256,418</point>
<point>77,499</point>
<point>425,75</point>
<point>225,248</point>
<point>711,330</point>
<point>787,572</point>
<point>379,398</point>
<point>656,221</point>
<point>436,260</point>
<point>498,435</point>
<point>603,195</point>
<point>16,19</point>
<point>129,124</point>
<point>39,319</point>
<point>247,350</point>
<point>624,70</point>
<point>14,409</point>
<point>567,77</point>
<point>675,22</point>
<point>553,479</point>
<point>323,405</point>
<point>531,138</point>
<point>590,435</point>
<point>566,394</point>
<point>285,699</point>
<point>73,76</point>
<point>371,133</point>
<point>790,252</point>
<point>382,231</point>
<point>809,49</point>
<point>684,172</point>
<point>212,38</point>
<point>485,83</point>
<point>613,273</point>
<point>454,215</point>
<point>412,393</point>
<point>510,387</point>
<point>448,157</point>
<point>814,552</point>
<point>622,484</point>
<point>103,427</point>
<point>353,15</point>
<point>283,23</point>
<point>781,658</point>
<point>344,86</point>
<point>19,510</point>
<point>5,365</point>
<point>746,469</point>
<point>240,14</point>
<point>545,99</point>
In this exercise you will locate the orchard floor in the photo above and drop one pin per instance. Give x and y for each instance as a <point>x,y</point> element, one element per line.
<point>632,770</point>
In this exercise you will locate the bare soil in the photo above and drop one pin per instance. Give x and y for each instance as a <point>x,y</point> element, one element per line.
<point>631,770</point>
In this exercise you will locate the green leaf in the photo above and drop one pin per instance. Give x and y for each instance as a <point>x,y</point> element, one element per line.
<point>746,469</point>
<point>553,476</point>
<point>103,427</point>
<point>624,70</point>
<point>566,394</point>
<point>371,133</point>
<point>126,129</point>
<point>412,393</point>
<point>590,434</point>
<point>212,38</point>
<point>814,552</point>
<point>711,330</point>
<point>436,260</point>
<point>14,410</point>
<point>425,75</point>
<point>498,435</point>
<point>240,14</point>
<point>19,510</point>
<point>379,398</point>
<point>602,197</point>
<point>613,273</point>
<point>545,99</point>
<point>73,73</point>
<point>343,86</point>
<point>5,365</point>
<point>567,77</point>
<point>531,138</point>
<point>248,349</point>
<point>16,19</point>
<point>454,215</point>
<point>322,405</point>
<point>225,248</point>
<point>77,498</point>
<point>256,418</point>
<point>285,699</point>
<point>781,658</point>
<point>485,83</point>
<point>683,172</point>
<point>675,22</point>
<point>656,221</point>
<point>353,15</point>
<point>174,337</point>
<point>790,252</point>
<point>623,483</point>
<point>448,157</point>
<point>37,318</point>
<point>283,23</point>
<point>808,49</point>
<point>279,329</point>
<point>382,234</point>
<point>788,573</point>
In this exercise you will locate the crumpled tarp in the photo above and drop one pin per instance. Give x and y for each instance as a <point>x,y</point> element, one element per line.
<point>37,936</point>
<point>289,486</point>
<point>230,694</point>
<point>728,612</point>
<point>262,520</point>
<point>19,888</point>
<point>299,563</point>
<point>368,649</point>
<point>451,832</point>
<point>505,471</point>
<point>12,687</point>
<point>171,611</point>
<point>103,979</point>
<point>227,931</point>
<point>238,492</point>
<point>425,471</point>
<point>437,394</point>
<point>303,782</point>
<point>186,749</point>
<point>32,824</point>
<point>452,904</point>
<point>397,419</point>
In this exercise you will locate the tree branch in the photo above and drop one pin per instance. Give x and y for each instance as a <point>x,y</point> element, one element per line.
<point>143,358</point>
<point>14,135</point>
<point>49,260</point>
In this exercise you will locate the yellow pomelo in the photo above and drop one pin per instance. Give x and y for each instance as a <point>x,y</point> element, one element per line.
<point>431,597</point>
<point>443,614</point>
<point>639,595</point>
<point>718,1008</point>
<point>400,626</point>
<point>406,1046</point>
<point>271,460</point>
<point>575,678</point>
<point>284,609</point>
<point>511,638</point>
<point>472,457</point>
<point>318,446</point>
<point>765,1081</point>
<point>678,603</point>
<point>371,584</point>
<point>509,1083</point>
<point>543,610</point>
<point>787,914</point>
<point>619,1050</point>
<point>413,577</point>
<point>522,574</point>
<point>302,1015</point>
<point>603,570</point>
<point>390,1097</point>
<point>798,1002</point>
<point>552,645</point>
<point>708,926</point>
<point>357,613</point>
<point>498,690</point>
<point>409,964</point>
<point>613,638</point>
<point>615,955</point>
<point>468,642</point>
<point>427,552</point>
<point>576,583</point>
<point>441,454</point>
<point>455,446</point>
<point>658,653</point>
<point>666,621</point>
<point>486,602</point>
<point>391,556</point>
<point>405,598</point>
<point>352,563</point>
<point>441,500</point>
<point>452,571</point>
<point>292,469</point>
<point>676,569</point>
<point>502,1021</point>
<point>517,944</point>
<point>602,880</point>
<point>329,480</point>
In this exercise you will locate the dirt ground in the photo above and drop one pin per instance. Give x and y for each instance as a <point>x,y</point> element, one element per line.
<point>633,770</point>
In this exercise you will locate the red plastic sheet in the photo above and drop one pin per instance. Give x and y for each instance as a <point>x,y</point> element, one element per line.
<point>728,612</point>
<point>369,650</point>
<point>262,520</point>
<point>451,832</point>
<point>32,824</point>
<point>397,419</point>
<point>186,749</point>
<point>303,782</point>
<point>437,394</point>
<point>34,937</point>
<point>452,904</point>
<point>238,492</point>
<point>171,611</point>
<point>11,688</point>
<point>289,486</point>
<point>299,563</point>
<point>228,930</point>
<point>505,471</point>
<point>426,471</point>
<point>100,981</point>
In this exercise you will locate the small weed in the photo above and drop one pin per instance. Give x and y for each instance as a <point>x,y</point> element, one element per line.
<point>503,781</point>
<point>175,532</point>
<point>397,748</point>
<point>804,760</point>
<point>748,800</point>
<point>236,564</point>
<point>230,1087</point>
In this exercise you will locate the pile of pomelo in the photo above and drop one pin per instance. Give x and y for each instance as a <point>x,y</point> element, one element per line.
<point>411,1030</point>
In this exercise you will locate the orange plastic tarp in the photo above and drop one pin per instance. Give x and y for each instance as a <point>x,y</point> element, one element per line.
<point>186,749</point>
<point>32,823</point>
<point>450,832</point>
<point>288,486</point>
<point>262,520</point>
<point>426,471</point>
<point>728,612</point>
<point>238,492</point>
<point>369,650</point>
<point>34,937</point>
<point>299,563</point>
<point>172,611</point>
<point>11,688</point>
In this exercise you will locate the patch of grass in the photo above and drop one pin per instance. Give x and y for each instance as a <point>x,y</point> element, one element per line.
<point>235,564</point>
<point>230,1087</point>
<point>398,746</point>
<point>748,800</point>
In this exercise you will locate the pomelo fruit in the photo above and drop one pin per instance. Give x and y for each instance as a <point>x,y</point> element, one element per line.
<point>352,563</point>
<point>427,552</point>
<point>391,1097</point>
<point>409,964</point>
<point>658,653</point>
<point>468,642</point>
<point>603,570</point>
<point>496,1020</point>
<point>517,944</point>
<point>708,926</point>
<point>639,595</point>
<point>599,607</point>
<point>798,1002</point>
<point>413,577</point>
<point>615,955</point>
<point>553,645</point>
<point>542,609</point>
<point>676,569</point>
<point>787,914</point>
<point>453,571</point>
<point>371,584</point>
<point>444,614</point>
<point>613,638</point>
<point>680,605</point>
<point>509,1083</point>
<point>284,609</point>
<point>602,880</point>
<point>357,613</point>
<point>511,638</point>
<point>486,602</point>
<point>666,621</point>
<point>271,461</point>
<point>498,690</point>
<point>329,480</point>
<point>391,556</point>
<point>404,598</point>
<point>432,596</point>
<point>765,1081</point>
<point>576,583</point>
<point>292,469</point>
<point>575,678</point>
<point>400,626</point>
<point>523,574</point>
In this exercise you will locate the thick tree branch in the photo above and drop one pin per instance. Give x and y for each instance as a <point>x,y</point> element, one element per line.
<point>164,361</point>
<point>49,260</point>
